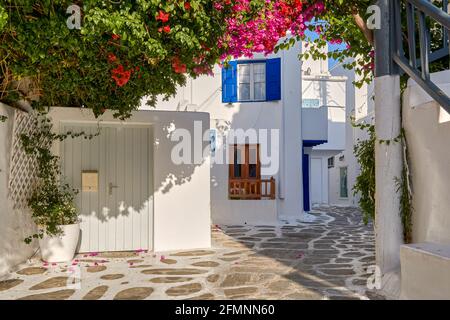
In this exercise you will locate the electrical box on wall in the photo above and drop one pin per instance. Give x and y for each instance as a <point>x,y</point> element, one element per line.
<point>89,181</point>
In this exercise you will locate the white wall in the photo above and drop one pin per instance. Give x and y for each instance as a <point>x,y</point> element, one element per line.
<point>315,124</point>
<point>427,129</point>
<point>182,215</point>
<point>316,66</point>
<point>331,91</point>
<point>324,176</point>
<point>15,225</point>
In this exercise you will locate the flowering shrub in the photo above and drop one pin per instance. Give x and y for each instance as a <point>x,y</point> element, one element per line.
<point>126,50</point>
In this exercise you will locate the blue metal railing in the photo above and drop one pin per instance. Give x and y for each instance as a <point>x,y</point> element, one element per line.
<point>417,12</point>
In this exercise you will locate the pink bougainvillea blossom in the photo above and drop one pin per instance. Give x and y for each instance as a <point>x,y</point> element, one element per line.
<point>262,33</point>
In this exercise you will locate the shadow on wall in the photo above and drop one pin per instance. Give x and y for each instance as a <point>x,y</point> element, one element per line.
<point>133,164</point>
<point>15,225</point>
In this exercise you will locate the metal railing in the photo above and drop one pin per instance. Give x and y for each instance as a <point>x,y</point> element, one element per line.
<point>418,68</point>
<point>252,189</point>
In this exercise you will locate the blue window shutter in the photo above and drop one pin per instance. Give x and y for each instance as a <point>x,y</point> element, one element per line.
<point>229,83</point>
<point>273,79</point>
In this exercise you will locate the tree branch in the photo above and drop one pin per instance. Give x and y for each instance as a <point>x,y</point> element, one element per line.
<point>361,24</point>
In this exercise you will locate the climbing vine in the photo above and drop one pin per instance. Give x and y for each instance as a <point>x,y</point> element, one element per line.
<point>52,200</point>
<point>364,151</point>
<point>405,192</point>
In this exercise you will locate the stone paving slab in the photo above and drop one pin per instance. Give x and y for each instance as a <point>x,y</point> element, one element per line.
<point>325,259</point>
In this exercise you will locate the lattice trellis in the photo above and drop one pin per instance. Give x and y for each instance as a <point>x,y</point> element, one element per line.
<point>22,173</point>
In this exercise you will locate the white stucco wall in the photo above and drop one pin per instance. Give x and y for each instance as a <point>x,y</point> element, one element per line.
<point>182,215</point>
<point>323,179</point>
<point>427,129</point>
<point>15,225</point>
<point>331,92</point>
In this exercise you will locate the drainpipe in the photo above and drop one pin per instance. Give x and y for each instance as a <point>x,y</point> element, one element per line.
<point>388,157</point>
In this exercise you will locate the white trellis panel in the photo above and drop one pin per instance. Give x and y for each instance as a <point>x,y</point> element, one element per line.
<point>22,174</point>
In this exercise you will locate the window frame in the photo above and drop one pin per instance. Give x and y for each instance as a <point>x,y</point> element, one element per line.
<point>330,165</point>
<point>245,169</point>
<point>251,65</point>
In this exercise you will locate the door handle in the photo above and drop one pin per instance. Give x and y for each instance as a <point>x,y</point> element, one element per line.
<point>111,187</point>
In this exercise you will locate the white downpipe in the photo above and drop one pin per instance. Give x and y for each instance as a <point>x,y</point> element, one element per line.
<point>388,159</point>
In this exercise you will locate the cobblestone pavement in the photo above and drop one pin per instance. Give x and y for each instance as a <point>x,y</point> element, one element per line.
<point>325,259</point>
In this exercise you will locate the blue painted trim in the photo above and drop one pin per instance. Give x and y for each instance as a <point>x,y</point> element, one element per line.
<point>305,170</point>
<point>313,143</point>
<point>250,61</point>
<point>273,79</point>
<point>229,83</point>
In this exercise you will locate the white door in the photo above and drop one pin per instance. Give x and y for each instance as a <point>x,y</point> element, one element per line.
<point>119,216</point>
<point>316,181</point>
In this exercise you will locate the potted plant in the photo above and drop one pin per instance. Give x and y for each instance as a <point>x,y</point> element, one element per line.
<point>52,201</point>
<point>55,215</point>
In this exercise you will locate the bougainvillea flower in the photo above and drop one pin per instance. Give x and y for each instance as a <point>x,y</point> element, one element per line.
<point>120,75</point>
<point>164,17</point>
<point>177,66</point>
<point>111,57</point>
<point>187,5</point>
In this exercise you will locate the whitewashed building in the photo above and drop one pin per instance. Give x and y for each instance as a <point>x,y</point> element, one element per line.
<point>265,94</point>
<point>326,92</point>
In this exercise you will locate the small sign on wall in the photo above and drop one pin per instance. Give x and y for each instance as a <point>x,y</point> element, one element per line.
<point>89,181</point>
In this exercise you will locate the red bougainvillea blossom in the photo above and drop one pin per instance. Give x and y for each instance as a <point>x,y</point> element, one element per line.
<point>164,17</point>
<point>177,66</point>
<point>165,29</point>
<point>111,57</point>
<point>120,75</point>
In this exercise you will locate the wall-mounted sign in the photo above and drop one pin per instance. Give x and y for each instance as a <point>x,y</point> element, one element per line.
<point>311,103</point>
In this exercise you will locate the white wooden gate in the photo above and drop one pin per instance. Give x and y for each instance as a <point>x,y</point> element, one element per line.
<point>119,216</point>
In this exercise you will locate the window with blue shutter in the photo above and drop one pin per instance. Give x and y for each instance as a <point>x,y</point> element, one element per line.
<point>244,81</point>
<point>273,79</point>
<point>229,82</point>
